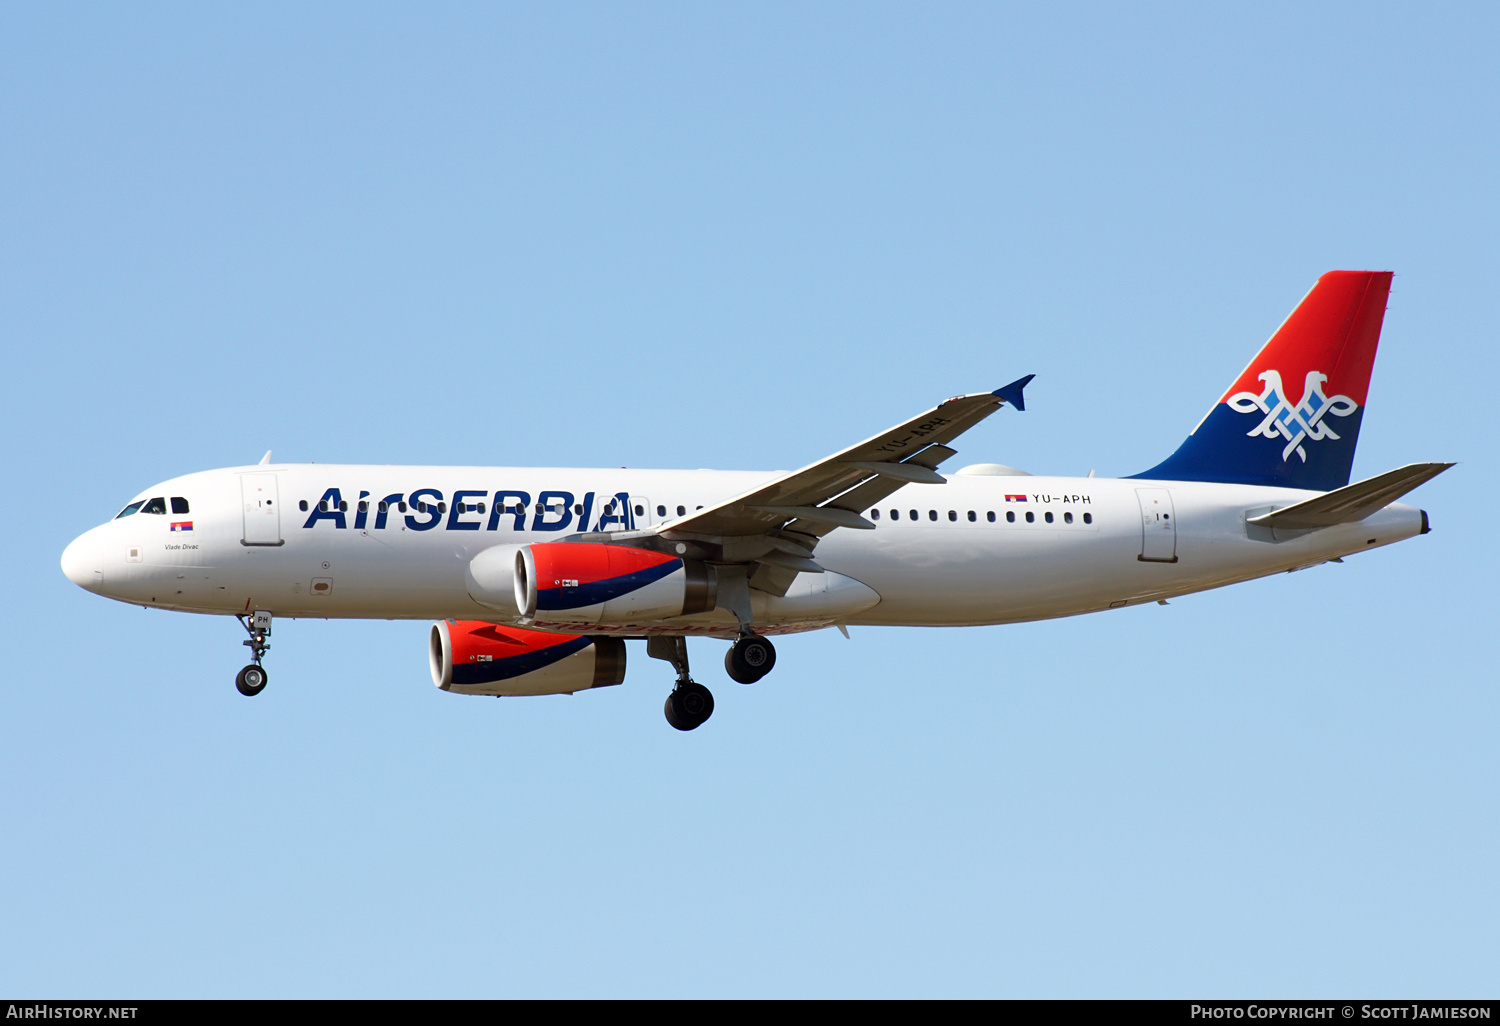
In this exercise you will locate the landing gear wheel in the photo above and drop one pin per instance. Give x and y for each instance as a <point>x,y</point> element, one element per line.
<point>749,659</point>
<point>689,705</point>
<point>251,681</point>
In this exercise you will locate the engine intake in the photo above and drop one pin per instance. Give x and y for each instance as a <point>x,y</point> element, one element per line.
<point>470,657</point>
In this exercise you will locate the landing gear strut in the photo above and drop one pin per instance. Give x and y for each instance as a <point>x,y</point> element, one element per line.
<point>749,659</point>
<point>690,704</point>
<point>752,656</point>
<point>251,680</point>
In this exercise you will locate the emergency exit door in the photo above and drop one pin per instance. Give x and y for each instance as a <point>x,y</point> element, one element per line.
<point>262,509</point>
<point>1158,526</point>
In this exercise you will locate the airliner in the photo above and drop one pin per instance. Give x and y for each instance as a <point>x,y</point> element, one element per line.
<point>536,577</point>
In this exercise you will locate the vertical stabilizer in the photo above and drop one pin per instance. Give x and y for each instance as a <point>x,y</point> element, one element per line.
<point>1292,417</point>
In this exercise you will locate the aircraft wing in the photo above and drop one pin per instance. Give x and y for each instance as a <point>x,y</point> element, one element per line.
<point>1352,503</point>
<point>789,515</point>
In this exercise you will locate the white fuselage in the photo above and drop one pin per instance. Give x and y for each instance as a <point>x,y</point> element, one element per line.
<point>951,565</point>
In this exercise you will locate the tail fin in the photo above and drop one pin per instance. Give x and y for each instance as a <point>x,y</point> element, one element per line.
<point>1325,351</point>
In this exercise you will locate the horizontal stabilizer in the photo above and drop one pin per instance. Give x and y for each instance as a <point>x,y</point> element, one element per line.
<point>1352,503</point>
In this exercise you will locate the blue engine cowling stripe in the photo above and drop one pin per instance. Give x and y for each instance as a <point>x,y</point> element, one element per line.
<point>598,592</point>
<point>517,665</point>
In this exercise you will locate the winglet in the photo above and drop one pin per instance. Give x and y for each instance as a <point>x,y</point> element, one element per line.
<point>1011,393</point>
<point>266,459</point>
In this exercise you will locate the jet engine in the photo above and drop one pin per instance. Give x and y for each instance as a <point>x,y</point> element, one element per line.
<point>585,582</point>
<point>475,658</point>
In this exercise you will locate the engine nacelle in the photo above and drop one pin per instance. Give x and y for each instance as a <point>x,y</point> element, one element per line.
<point>586,582</point>
<point>491,578</point>
<point>476,658</point>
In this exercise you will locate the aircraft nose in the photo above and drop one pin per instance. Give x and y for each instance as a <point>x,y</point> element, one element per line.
<point>82,564</point>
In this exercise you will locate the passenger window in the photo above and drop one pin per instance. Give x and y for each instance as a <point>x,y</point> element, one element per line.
<point>578,510</point>
<point>914,515</point>
<point>401,505</point>
<point>322,505</point>
<point>479,508</point>
<point>1047,517</point>
<point>661,511</point>
<point>953,515</point>
<point>640,511</point>
<point>990,516</point>
<point>932,514</point>
<point>179,504</point>
<point>134,507</point>
<point>874,514</point>
<point>382,507</point>
<point>1088,518</point>
<point>302,505</point>
<point>442,507</point>
<point>972,517</point>
<point>1010,516</point>
<point>895,514</point>
<point>157,505</point>
<point>364,506</point>
<point>421,506</point>
<point>682,511</point>
<point>1030,517</point>
<point>343,506</point>
<point>1067,518</point>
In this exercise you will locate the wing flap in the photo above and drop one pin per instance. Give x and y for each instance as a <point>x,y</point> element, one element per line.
<point>906,473</point>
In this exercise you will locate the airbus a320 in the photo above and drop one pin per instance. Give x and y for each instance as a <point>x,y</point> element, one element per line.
<point>537,577</point>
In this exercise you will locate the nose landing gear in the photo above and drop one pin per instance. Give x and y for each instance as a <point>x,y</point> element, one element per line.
<point>690,704</point>
<point>251,681</point>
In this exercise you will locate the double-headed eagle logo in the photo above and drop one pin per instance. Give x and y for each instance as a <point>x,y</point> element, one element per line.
<point>1296,424</point>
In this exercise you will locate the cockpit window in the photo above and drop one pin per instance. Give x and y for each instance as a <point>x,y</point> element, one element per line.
<point>157,505</point>
<point>179,504</point>
<point>134,507</point>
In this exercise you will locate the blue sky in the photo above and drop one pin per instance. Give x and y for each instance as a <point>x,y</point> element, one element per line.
<point>743,237</point>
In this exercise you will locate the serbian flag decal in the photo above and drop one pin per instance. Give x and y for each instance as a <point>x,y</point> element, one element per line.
<point>182,526</point>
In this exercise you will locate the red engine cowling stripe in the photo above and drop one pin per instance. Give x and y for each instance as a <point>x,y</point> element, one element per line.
<point>512,651</point>
<point>589,563</point>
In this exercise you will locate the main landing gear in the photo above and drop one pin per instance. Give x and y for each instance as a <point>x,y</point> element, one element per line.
<point>251,681</point>
<point>749,659</point>
<point>690,704</point>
